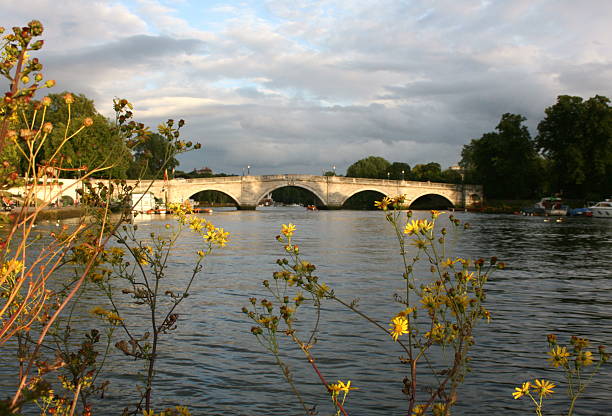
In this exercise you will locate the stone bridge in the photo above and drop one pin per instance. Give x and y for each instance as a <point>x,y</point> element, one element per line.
<point>331,191</point>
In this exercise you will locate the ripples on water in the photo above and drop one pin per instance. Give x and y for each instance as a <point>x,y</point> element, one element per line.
<point>559,280</point>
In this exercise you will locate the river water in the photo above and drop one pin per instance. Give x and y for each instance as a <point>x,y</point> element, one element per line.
<point>558,280</point>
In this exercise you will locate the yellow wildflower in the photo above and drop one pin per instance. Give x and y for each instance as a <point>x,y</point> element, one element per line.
<point>346,387</point>
<point>418,410</point>
<point>521,391</point>
<point>412,227</point>
<point>544,387</point>
<point>558,356</point>
<point>447,262</point>
<point>430,302</point>
<point>12,266</point>
<point>288,229</point>
<point>584,358</point>
<point>437,333</point>
<point>334,388</point>
<point>435,214</point>
<point>468,276</point>
<point>426,226</point>
<point>399,326</point>
<point>98,310</point>
<point>406,312</point>
<point>383,204</point>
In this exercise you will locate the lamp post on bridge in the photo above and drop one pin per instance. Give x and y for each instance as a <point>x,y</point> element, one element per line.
<point>402,175</point>
<point>248,170</point>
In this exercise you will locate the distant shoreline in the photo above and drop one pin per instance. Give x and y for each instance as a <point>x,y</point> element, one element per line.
<point>47,214</point>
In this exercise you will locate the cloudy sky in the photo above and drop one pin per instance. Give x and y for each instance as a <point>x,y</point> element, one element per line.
<point>298,86</point>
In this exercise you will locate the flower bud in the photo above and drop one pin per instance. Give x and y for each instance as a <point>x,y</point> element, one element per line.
<point>88,122</point>
<point>37,45</point>
<point>38,77</point>
<point>47,127</point>
<point>68,98</point>
<point>26,133</point>
<point>50,83</point>
<point>35,27</point>
<point>25,79</point>
<point>46,101</point>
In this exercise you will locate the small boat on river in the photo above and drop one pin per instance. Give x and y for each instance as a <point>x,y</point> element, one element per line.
<point>602,209</point>
<point>549,206</point>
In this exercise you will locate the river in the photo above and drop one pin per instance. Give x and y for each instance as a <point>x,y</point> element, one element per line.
<point>558,280</point>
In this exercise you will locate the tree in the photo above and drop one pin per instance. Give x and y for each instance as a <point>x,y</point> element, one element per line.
<point>504,161</point>
<point>150,158</point>
<point>431,171</point>
<point>451,176</point>
<point>96,146</point>
<point>370,167</point>
<point>576,138</point>
<point>399,170</point>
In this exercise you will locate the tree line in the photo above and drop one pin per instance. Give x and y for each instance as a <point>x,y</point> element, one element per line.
<point>98,145</point>
<point>379,168</point>
<point>570,156</point>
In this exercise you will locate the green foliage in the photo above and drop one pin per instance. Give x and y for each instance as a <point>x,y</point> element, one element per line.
<point>150,156</point>
<point>431,171</point>
<point>451,176</point>
<point>370,167</point>
<point>398,171</point>
<point>576,137</point>
<point>100,145</point>
<point>504,161</point>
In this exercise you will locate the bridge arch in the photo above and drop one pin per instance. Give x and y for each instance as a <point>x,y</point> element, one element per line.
<point>438,200</point>
<point>295,184</point>
<point>371,189</point>
<point>193,191</point>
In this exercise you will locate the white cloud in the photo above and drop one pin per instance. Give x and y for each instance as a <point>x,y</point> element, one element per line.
<point>304,85</point>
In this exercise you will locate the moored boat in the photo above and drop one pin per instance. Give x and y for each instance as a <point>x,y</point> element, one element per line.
<point>549,206</point>
<point>602,209</point>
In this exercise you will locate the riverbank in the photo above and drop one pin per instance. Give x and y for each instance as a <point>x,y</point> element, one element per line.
<point>50,214</point>
<point>512,206</point>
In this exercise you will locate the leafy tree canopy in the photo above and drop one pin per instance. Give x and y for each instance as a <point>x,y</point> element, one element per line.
<point>399,170</point>
<point>370,167</point>
<point>431,171</point>
<point>150,158</point>
<point>504,161</point>
<point>96,146</point>
<point>576,138</point>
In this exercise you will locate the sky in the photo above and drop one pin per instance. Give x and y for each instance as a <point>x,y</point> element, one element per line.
<point>299,86</point>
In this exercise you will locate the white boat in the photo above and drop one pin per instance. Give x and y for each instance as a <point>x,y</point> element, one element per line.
<point>550,206</point>
<point>602,209</point>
